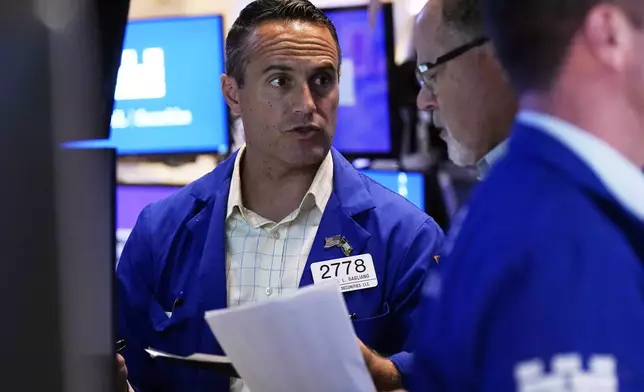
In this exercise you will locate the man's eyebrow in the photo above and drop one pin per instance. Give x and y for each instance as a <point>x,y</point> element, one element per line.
<point>327,68</point>
<point>278,67</point>
<point>287,68</point>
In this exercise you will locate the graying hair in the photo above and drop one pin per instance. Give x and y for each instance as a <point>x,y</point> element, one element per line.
<point>463,19</point>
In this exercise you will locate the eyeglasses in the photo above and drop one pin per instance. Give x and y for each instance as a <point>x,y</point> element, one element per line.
<point>426,79</point>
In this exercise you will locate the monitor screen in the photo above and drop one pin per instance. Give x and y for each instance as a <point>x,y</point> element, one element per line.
<point>130,201</point>
<point>168,97</point>
<point>364,123</point>
<point>411,185</point>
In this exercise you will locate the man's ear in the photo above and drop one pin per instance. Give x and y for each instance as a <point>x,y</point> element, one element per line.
<point>610,37</point>
<point>230,89</point>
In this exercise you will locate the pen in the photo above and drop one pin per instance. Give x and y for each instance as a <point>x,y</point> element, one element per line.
<point>120,345</point>
<point>178,302</point>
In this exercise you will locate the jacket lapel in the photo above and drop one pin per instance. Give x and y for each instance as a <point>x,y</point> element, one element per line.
<point>348,199</point>
<point>209,235</point>
<point>212,269</point>
<point>334,222</point>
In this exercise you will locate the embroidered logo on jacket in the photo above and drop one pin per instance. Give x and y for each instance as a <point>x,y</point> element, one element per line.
<point>567,374</point>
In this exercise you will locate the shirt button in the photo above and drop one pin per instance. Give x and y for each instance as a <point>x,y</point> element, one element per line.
<point>276,235</point>
<point>268,291</point>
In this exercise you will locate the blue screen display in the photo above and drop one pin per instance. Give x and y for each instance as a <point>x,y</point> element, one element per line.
<point>407,184</point>
<point>363,117</point>
<point>168,97</point>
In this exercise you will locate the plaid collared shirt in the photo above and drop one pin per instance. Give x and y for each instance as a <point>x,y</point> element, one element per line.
<point>264,258</point>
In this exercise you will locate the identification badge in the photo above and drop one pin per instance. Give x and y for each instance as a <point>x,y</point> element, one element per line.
<point>351,273</point>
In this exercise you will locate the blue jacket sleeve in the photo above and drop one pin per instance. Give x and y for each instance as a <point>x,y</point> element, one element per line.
<point>134,292</point>
<point>412,269</point>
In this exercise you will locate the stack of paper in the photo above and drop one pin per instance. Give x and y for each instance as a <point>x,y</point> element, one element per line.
<point>301,343</point>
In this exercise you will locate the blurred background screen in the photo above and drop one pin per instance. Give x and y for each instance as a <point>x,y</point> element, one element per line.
<point>168,98</point>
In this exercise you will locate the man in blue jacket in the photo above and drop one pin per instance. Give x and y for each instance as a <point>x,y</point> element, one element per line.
<point>284,205</point>
<point>544,288</point>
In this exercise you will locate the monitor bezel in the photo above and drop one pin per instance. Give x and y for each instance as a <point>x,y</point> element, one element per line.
<point>394,120</point>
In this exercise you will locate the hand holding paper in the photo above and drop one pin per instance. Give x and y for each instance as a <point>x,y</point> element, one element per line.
<point>302,342</point>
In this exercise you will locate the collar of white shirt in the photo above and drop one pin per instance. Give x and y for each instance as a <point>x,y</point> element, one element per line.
<point>623,179</point>
<point>317,195</point>
<point>491,158</point>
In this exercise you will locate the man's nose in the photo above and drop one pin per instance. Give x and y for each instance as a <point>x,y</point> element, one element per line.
<point>304,102</point>
<point>426,100</point>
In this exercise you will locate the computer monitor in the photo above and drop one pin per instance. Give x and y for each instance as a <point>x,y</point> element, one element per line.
<point>365,114</point>
<point>168,98</point>
<point>411,185</point>
<point>130,201</point>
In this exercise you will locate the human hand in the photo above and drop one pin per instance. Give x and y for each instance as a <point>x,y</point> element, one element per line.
<point>121,376</point>
<point>383,372</point>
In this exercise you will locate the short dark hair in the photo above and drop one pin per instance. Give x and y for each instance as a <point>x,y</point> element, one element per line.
<point>532,37</point>
<point>261,11</point>
<point>463,17</point>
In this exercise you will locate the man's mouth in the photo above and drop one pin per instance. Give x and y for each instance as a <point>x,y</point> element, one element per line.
<point>307,130</point>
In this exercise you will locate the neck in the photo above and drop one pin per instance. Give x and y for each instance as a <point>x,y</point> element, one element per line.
<point>272,188</point>
<point>607,117</point>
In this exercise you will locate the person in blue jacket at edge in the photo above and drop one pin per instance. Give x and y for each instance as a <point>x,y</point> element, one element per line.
<point>544,287</point>
<point>216,243</point>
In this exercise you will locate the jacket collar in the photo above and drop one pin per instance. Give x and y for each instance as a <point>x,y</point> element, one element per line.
<point>349,197</point>
<point>348,184</point>
<point>491,158</point>
<point>532,142</point>
<point>619,176</point>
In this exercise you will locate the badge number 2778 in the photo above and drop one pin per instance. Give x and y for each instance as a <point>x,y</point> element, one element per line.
<point>351,273</point>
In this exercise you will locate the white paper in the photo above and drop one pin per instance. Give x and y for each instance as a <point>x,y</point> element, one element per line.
<point>196,357</point>
<point>297,343</point>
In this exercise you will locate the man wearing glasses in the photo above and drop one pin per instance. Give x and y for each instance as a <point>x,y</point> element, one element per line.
<point>464,87</point>
<point>471,100</point>
<point>463,84</point>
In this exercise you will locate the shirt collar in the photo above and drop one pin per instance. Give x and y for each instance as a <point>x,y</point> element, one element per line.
<point>491,158</point>
<point>623,179</point>
<point>317,195</point>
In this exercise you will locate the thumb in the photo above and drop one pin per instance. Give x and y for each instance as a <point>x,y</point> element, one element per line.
<point>120,361</point>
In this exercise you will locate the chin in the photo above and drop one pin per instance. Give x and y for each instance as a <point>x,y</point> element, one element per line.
<point>307,157</point>
<point>457,152</point>
<point>460,162</point>
<point>460,156</point>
